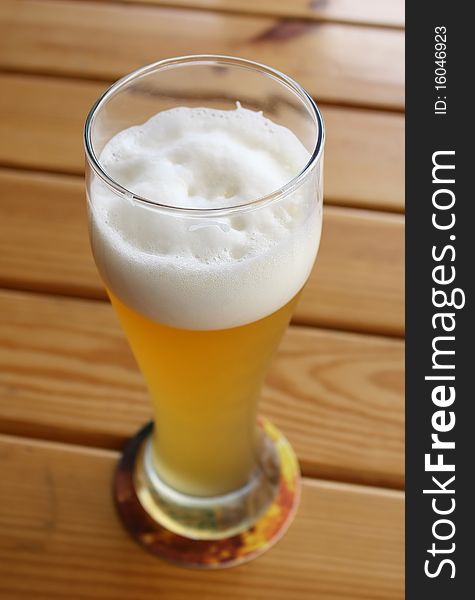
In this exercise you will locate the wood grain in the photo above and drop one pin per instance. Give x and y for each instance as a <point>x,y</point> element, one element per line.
<point>382,13</point>
<point>357,282</point>
<point>337,63</point>
<point>364,155</point>
<point>61,539</point>
<point>66,373</point>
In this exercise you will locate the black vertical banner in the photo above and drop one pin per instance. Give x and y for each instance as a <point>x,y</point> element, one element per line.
<point>440,271</point>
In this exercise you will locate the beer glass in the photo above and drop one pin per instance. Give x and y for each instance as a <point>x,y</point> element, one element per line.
<point>204,306</point>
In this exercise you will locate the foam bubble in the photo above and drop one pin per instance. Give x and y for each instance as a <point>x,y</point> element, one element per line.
<point>210,272</point>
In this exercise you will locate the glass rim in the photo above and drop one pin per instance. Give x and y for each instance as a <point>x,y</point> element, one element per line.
<point>279,193</point>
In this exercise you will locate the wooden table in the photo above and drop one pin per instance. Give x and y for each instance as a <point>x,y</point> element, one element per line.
<point>70,393</point>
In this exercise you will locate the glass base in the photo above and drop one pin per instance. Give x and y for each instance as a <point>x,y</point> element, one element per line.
<point>212,532</point>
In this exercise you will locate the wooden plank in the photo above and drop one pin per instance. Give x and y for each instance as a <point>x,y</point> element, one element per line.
<point>357,282</point>
<point>66,373</point>
<point>383,13</point>
<point>358,279</point>
<point>47,134</point>
<point>61,539</point>
<point>364,159</point>
<point>337,63</point>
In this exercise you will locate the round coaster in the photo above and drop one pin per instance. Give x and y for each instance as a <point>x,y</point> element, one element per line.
<point>216,553</point>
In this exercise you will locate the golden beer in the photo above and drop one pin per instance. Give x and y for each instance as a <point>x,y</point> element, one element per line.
<point>204,387</point>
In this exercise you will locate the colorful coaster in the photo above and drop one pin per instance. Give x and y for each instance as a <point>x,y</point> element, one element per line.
<point>216,553</point>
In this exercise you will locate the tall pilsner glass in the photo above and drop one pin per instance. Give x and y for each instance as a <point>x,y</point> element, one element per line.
<point>204,293</point>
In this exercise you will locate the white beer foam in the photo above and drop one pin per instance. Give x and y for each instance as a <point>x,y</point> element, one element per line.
<point>210,272</point>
